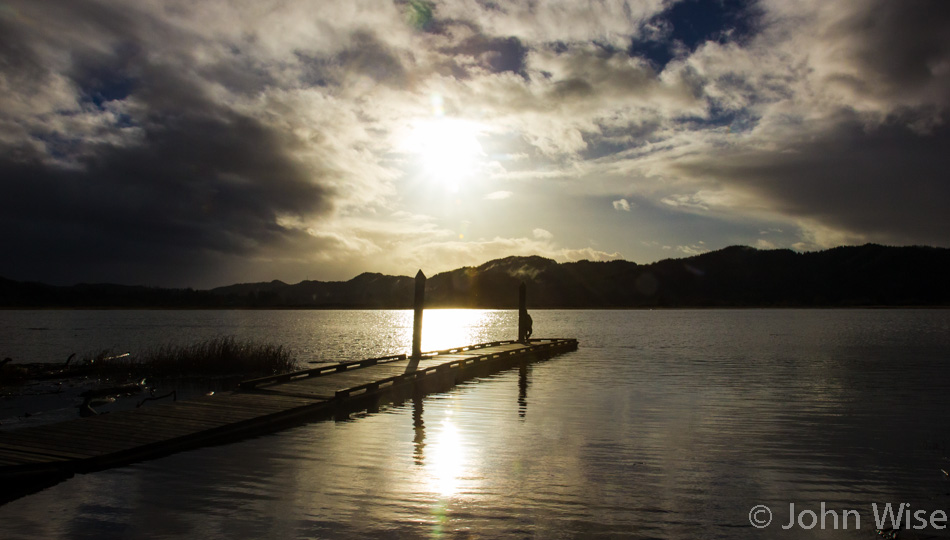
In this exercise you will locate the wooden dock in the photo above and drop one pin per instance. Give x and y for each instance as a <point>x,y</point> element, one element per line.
<point>35,457</point>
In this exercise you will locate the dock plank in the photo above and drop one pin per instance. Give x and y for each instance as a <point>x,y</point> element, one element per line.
<point>15,456</point>
<point>71,431</point>
<point>185,418</point>
<point>41,449</point>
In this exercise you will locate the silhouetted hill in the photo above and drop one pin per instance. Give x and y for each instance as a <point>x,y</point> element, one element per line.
<point>366,290</point>
<point>737,276</point>
<point>31,294</point>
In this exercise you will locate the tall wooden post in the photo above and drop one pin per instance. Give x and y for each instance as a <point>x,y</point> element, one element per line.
<point>522,312</point>
<point>417,303</point>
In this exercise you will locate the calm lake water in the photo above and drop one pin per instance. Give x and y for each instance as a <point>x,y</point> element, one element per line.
<point>664,424</point>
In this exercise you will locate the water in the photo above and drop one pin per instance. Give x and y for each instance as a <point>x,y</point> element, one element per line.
<point>314,336</point>
<point>664,424</point>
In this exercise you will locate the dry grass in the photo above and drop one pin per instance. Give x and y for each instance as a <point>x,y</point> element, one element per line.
<point>213,358</point>
<point>219,358</point>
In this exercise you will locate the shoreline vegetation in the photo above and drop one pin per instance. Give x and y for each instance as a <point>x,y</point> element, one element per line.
<point>871,276</point>
<point>101,382</point>
<point>223,356</point>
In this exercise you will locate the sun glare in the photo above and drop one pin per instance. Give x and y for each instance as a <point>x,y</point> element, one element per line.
<point>446,460</point>
<point>448,149</point>
<point>444,328</point>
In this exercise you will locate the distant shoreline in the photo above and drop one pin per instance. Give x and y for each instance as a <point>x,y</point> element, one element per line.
<point>738,277</point>
<point>545,308</point>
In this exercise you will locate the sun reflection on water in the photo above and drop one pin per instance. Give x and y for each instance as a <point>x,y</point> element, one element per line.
<point>445,460</point>
<point>446,473</point>
<point>447,328</point>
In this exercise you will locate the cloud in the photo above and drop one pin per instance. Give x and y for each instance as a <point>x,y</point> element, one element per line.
<point>691,250</point>
<point>413,241</point>
<point>542,234</point>
<point>448,255</point>
<point>822,122</point>
<point>622,204</point>
<point>886,182</point>
<point>132,157</point>
<point>872,53</point>
<point>557,20</point>
<point>498,195</point>
<point>685,201</point>
<point>588,253</point>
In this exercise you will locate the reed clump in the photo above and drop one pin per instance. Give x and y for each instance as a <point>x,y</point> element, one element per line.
<point>218,357</point>
<point>215,359</point>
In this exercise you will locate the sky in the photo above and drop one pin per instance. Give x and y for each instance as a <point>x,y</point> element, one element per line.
<point>196,144</point>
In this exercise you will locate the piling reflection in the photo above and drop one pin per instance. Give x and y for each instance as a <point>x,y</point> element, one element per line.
<point>419,430</point>
<point>523,382</point>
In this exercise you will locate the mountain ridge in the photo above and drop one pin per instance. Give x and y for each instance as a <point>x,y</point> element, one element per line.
<point>735,276</point>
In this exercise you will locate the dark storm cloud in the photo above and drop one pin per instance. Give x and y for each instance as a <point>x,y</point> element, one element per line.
<point>185,181</point>
<point>901,49</point>
<point>884,181</point>
<point>196,184</point>
<point>18,62</point>
<point>838,123</point>
<point>889,183</point>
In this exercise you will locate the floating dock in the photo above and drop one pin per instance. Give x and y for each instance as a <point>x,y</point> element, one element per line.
<point>36,457</point>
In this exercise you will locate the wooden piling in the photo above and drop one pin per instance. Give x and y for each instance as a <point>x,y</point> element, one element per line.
<point>522,312</point>
<point>417,304</point>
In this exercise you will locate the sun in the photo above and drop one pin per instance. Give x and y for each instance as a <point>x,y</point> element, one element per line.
<point>448,149</point>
